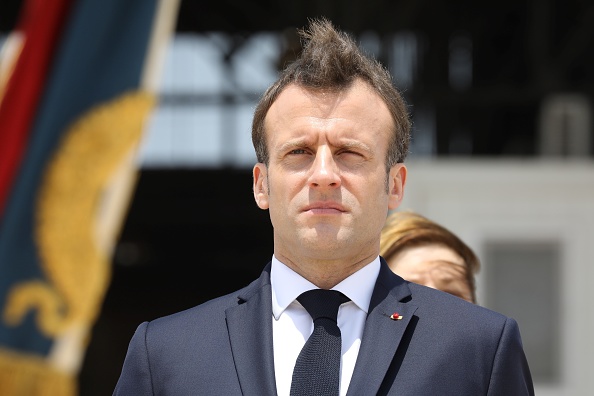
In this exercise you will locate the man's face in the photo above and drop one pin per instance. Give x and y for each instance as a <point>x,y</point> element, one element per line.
<point>325,184</point>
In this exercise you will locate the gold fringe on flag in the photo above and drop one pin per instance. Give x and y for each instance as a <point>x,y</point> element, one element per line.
<point>26,375</point>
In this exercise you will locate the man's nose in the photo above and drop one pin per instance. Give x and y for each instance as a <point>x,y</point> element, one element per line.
<point>325,172</point>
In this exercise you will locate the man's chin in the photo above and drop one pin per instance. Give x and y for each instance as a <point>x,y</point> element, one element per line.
<point>326,239</point>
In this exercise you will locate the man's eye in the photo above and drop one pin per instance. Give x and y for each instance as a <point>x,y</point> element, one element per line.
<point>297,151</point>
<point>350,153</point>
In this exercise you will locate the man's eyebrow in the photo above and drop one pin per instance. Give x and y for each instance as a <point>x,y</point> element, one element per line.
<point>291,144</point>
<point>354,144</point>
<point>302,142</point>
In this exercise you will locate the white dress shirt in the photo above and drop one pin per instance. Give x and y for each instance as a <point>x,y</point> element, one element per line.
<point>292,325</point>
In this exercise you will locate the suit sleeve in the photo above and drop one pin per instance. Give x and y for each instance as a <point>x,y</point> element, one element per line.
<point>511,374</point>
<point>135,378</point>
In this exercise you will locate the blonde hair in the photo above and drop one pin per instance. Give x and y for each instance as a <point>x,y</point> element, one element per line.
<point>407,229</point>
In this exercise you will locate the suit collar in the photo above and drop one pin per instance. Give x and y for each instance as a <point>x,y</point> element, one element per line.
<point>250,333</point>
<point>383,332</point>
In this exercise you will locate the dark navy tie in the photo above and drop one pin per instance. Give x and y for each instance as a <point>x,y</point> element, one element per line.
<point>317,370</point>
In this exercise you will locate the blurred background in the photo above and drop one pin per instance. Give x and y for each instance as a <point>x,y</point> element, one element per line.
<point>502,148</point>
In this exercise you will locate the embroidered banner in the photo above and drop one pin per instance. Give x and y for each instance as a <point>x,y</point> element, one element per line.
<point>90,72</point>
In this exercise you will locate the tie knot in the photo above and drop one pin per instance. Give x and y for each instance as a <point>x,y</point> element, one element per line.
<point>321,303</point>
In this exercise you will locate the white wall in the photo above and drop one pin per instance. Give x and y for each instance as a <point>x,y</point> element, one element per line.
<point>524,202</point>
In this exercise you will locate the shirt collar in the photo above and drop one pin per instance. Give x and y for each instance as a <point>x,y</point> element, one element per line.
<point>358,287</point>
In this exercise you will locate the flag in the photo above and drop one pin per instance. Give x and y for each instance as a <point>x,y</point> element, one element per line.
<point>39,26</point>
<point>74,100</point>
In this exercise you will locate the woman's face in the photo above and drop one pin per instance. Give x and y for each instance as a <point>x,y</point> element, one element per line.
<point>433,265</point>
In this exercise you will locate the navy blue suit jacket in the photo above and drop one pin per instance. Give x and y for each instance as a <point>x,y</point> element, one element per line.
<point>442,346</point>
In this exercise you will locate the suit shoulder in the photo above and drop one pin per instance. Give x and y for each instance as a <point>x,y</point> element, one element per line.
<point>206,313</point>
<point>442,303</point>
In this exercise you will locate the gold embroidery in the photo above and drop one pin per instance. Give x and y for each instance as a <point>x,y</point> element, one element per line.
<point>76,268</point>
<point>22,374</point>
<point>30,295</point>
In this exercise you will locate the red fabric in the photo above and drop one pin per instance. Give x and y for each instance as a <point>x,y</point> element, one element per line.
<point>41,22</point>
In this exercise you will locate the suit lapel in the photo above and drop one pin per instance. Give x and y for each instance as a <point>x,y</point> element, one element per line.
<point>382,334</point>
<point>250,333</point>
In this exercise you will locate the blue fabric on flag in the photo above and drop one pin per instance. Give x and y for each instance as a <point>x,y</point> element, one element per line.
<point>101,55</point>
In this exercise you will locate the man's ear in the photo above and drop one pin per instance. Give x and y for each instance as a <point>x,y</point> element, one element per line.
<point>261,185</point>
<point>397,180</point>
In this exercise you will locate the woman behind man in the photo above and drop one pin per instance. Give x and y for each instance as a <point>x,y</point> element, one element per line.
<point>424,252</point>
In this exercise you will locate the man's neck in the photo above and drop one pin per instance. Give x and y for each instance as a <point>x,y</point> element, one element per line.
<point>325,274</point>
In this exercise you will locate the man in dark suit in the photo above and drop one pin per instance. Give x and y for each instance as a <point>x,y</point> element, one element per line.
<point>331,135</point>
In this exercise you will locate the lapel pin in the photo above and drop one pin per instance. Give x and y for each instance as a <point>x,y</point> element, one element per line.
<point>395,316</point>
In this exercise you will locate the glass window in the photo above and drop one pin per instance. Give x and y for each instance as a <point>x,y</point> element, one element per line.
<point>521,280</point>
